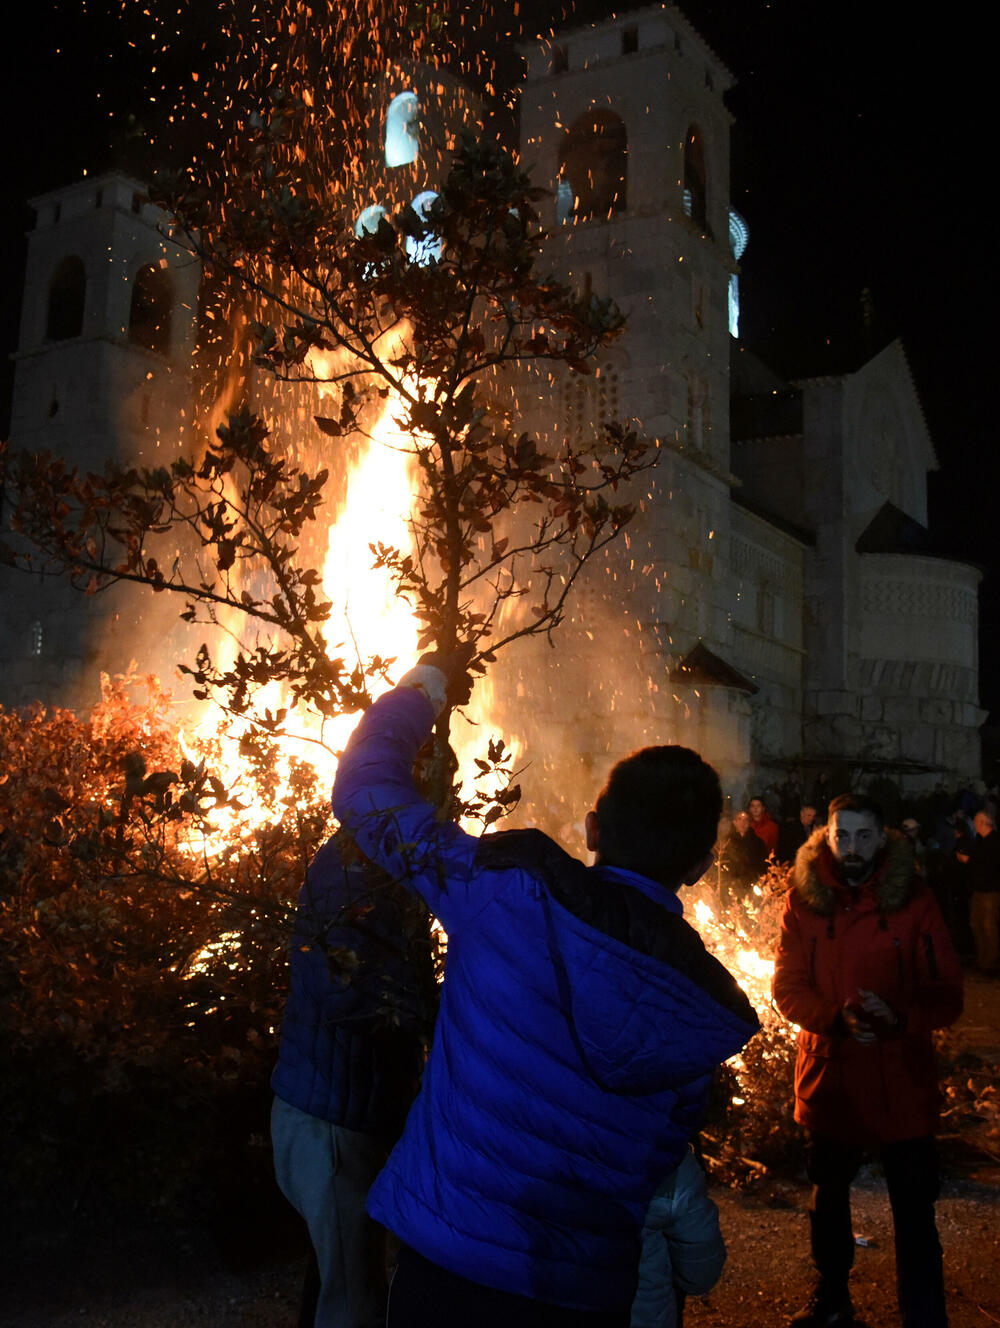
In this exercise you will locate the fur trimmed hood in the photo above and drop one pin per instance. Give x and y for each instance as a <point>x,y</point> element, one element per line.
<point>817,882</point>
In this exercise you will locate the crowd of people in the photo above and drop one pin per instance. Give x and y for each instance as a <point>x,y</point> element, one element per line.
<point>953,838</point>
<point>531,1157</point>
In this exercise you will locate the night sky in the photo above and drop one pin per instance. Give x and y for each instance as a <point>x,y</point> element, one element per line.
<point>860,162</point>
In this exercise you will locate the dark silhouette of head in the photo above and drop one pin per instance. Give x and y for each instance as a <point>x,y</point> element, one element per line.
<point>658,815</point>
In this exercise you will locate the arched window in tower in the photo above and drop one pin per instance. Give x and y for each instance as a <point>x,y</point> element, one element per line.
<point>67,296</point>
<point>152,310</point>
<point>427,250</point>
<point>402,130</point>
<point>739,234</point>
<point>593,165</point>
<point>368,221</point>
<point>695,192</point>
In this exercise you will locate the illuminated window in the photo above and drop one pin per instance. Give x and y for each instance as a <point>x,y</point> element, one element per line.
<point>367,223</point>
<point>427,250</point>
<point>152,309</point>
<point>67,295</point>
<point>36,638</point>
<point>594,166</point>
<point>695,194</point>
<point>402,130</point>
<point>739,234</point>
<point>564,202</point>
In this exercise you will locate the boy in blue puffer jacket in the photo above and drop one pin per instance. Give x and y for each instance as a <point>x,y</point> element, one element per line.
<point>683,1252</point>
<point>581,1021</point>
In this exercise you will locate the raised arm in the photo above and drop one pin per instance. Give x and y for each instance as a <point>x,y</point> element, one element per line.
<point>376,800</point>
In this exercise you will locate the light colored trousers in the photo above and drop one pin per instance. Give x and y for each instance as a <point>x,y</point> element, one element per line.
<point>325,1173</point>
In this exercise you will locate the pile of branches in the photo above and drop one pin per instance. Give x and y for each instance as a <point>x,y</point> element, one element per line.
<point>749,1130</point>
<point>141,979</point>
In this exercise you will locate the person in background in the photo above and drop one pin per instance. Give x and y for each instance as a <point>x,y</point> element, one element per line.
<point>983,859</point>
<point>910,827</point>
<point>865,967</point>
<point>581,1021</point>
<point>764,826</point>
<point>352,1050</point>
<point>742,860</point>
<point>795,832</point>
<point>683,1251</point>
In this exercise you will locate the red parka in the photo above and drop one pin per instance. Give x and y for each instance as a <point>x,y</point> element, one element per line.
<point>887,936</point>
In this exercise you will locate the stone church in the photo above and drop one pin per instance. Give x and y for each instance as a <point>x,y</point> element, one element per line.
<point>775,603</point>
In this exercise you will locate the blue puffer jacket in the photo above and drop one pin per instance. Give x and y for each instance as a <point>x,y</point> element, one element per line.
<point>682,1247</point>
<point>581,1020</point>
<point>351,1048</point>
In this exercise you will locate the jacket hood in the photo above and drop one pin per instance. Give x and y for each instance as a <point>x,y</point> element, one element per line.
<point>817,881</point>
<point>640,1021</point>
<point>645,1003</point>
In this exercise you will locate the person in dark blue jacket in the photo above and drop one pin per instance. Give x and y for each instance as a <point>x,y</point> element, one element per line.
<point>581,1021</point>
<point>352,1050</point>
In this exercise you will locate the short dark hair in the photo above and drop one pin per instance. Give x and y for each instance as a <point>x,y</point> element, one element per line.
<point>858,802</point>
<point>659,812</point>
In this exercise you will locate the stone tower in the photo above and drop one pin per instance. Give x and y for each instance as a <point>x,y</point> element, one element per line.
<point>102,370</point>
<point>625,122</point>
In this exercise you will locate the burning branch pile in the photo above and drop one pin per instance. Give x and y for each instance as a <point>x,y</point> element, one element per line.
<point>137,971</point>
<point>750,1128</point>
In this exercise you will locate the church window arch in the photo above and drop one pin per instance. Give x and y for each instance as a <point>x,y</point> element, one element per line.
<point>402,130</point>
<point>739,235</point>
<point>152,308</point>
<point>67,297</point>
<point>428,249</point>
<point>368,221</point>
<point>695,185</point>
<point>593,163</point>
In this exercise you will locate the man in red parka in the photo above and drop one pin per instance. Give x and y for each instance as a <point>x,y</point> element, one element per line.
<point>865,967</point>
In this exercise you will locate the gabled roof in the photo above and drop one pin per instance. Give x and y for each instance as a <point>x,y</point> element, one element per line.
<point>892,531</point>
<point>702,666</point>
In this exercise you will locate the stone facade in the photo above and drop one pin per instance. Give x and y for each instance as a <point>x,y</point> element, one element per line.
<point>108,329</point>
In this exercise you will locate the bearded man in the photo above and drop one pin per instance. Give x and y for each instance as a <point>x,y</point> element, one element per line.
<point>867,970</point>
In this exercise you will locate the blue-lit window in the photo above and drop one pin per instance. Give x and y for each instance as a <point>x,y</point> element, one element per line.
<point>739,234</point>
<point>427,250</point>
<point>564,201</point>
<point>402,130</point>
<point>367,222</point>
